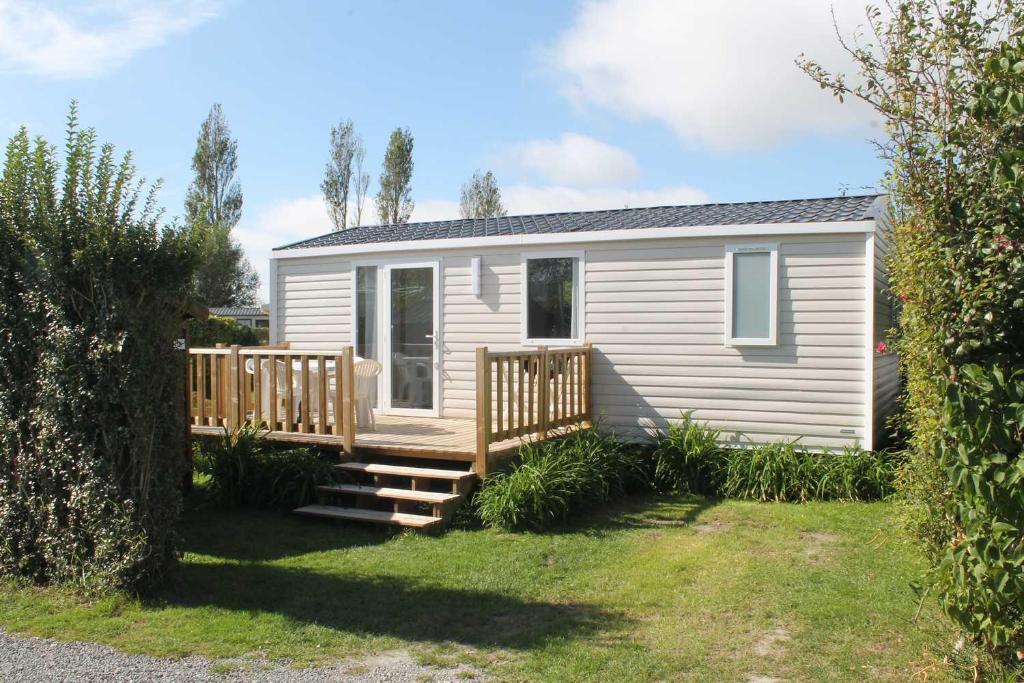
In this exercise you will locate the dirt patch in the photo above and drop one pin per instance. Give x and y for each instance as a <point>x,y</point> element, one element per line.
<point>713,527</point>
<point>772,643</point>
<point>819,545</point>
<point>755,678</point>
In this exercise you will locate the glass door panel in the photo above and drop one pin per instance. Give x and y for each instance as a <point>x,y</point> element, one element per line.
<point>412,338</point>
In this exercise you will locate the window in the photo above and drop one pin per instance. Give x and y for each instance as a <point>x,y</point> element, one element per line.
<point>751,295</point>
<point>366,312</point>
<point>551,298</point>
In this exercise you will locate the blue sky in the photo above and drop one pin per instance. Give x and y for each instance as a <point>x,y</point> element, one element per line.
<point>573,105</point>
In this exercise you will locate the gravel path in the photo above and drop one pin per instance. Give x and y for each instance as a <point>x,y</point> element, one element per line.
<point>31,660</point>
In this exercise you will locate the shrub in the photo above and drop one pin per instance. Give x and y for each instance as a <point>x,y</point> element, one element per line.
<point>689,459</point>
<point>222,330</point>
<point>786,472</point>
<point>551,479</point>
<point>773,472</point>
<point>948,80</point>
<point>979,577</point>
<point>245,470</point>
<point>92,438</point>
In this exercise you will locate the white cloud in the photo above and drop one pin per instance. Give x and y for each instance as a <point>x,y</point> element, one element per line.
<point>531,199</point>
<point>577,161</point>
<point>93,37</point>
<point>718,73</point>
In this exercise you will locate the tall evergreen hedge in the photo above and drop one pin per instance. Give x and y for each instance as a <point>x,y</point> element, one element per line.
<point>947,78</point>
<point>91,436</point>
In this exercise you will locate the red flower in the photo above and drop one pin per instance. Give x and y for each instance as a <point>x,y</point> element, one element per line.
<point>1003,243</point>
<point>904,298</point>
<point>881,348</point>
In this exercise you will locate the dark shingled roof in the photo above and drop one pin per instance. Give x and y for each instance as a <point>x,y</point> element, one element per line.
<point>238,311</point>
<point>853,208</point>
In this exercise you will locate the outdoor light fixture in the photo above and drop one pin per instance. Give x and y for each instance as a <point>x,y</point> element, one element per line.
<point>474,270</point>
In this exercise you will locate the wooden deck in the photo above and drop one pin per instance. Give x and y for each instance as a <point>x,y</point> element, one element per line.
<point>414,437</point>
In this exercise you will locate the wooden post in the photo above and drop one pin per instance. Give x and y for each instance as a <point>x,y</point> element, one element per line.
<point>235,391</point>
<point>543,384</point>
<point>348,407</point>
<point>289,395</point>
<point>257,389</point>
<point>304,408</point>
<point>272,365</point>
<point>322,386</point>
<point>588,371</point>
<point>483,410</point>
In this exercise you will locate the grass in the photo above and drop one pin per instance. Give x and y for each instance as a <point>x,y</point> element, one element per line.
<point>654,589</point>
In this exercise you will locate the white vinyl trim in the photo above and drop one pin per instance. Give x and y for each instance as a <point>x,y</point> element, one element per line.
<point>564,238</point>
<point>773,311</point>
<point>869,341</point>
<point>578,299</point>
<point>273,301</point>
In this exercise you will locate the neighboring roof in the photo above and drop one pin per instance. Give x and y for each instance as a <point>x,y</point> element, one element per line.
<point>238,311</point>
<point>827,209</point>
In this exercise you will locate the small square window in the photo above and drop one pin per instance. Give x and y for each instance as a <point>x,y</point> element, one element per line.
<point>751,295</point>
<point>551,300</point>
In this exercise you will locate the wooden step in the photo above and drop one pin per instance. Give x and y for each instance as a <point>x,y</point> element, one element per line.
<point>361,515</point>
<point>405,471</point>
<point>392,493</point>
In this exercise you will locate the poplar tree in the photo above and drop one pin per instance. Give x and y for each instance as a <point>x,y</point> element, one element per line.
<point>213,206</point>
<point>481,197</point>
<point>394,199</point>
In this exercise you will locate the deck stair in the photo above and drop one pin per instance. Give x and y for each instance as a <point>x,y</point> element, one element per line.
<point>394,493</point>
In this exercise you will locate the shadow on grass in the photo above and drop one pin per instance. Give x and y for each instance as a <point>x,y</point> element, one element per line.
<point>642,511</point>
<point>388,606</point>
<point>252,535</point>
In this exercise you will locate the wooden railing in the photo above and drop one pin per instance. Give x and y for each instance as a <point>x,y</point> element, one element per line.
<point>298,392</point>
<point>520,393</point>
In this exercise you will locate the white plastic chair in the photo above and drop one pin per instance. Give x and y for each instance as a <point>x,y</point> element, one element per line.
<point>265,387</point>
<point>366,372</point>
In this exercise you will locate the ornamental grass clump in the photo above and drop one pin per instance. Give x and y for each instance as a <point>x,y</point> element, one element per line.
<point>786,472</point>
<point>246,470</point>
<point>688,458</point>
<point>552,479</point>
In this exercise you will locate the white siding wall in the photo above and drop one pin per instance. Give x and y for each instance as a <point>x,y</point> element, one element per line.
<point>886,378</point>
<point>314,302</point>
<point>655,314</point>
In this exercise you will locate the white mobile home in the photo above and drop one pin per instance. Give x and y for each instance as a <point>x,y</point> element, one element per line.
<point>761,318</point>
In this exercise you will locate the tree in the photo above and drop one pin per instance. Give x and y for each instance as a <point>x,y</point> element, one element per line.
<point>213,206</point>
<point>362,181</point>
<point>481,197</point>
<point>214,196</point>
<point>338,173</point>
<point>224,277</point>
<point>92,426</point>
<point>394,200</point>
<point>948,80</point>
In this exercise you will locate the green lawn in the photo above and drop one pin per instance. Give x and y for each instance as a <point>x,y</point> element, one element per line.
<point>666,589</point>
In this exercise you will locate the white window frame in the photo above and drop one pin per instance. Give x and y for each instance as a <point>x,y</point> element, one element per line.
<point>578,290</point>
<point>773,311</point>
